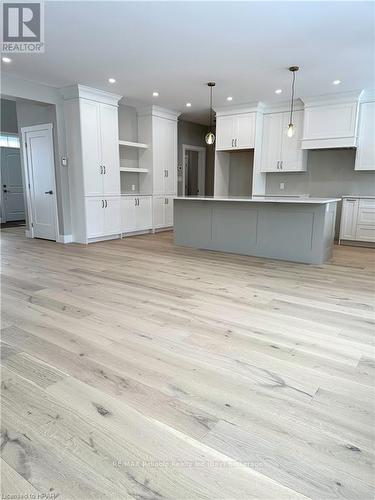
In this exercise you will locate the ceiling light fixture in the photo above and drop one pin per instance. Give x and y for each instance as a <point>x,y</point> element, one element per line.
<point>210,136</point>
<point>336,82</point>
<point>6,59</point>
<point>278,91</point>
<point>229,98</point>
<point>155,94</point>
<point>291,127</point>
<point>188,104</point>
<point>111,80</point>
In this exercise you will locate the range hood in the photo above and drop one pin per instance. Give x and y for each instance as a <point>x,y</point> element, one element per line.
<point>331,121</point>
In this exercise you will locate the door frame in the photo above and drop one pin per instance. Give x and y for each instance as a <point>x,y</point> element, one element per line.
<point>201,164</point>
<point>29,178</point>
<point>3,218</point>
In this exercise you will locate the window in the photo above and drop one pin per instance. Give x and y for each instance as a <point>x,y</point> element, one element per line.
<point>9,141</point>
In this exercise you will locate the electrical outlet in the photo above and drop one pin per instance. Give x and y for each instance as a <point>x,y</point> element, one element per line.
<point>282,185</point>
<point>133,187</point>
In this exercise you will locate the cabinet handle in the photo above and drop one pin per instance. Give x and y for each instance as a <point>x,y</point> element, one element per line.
<point>232,143</point>
<point>101,169</point>
<point>102,203</point>
<point>235,142</point>
<point>105,171</point>
<point>106,203</point>
<point>277,165</point>
<point>281,165</point>
<point>167,201</point>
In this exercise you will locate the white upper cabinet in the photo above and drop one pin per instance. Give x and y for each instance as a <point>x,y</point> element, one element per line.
<point>331,121</point>
<point>110,159</point>
<point>281,153</point>
<point>235,131</point>
<point>100,156</point>
<point>365,156</point>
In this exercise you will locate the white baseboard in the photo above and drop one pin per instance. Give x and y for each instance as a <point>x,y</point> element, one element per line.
<point>65,238</point>
<point>29,233</point>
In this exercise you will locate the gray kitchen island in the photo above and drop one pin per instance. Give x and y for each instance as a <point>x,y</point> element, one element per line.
<point>294,229</point>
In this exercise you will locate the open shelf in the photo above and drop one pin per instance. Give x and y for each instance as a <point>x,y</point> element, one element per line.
<point>134,170</point>
<point>130,144</point>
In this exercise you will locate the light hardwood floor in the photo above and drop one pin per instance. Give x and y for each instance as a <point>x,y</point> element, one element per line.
<point>137,369</point>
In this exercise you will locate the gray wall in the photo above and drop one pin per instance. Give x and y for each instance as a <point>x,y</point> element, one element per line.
<point>127,123</point>
<point>330,172</point>
<point>193,134</point>
<point>8,116</point>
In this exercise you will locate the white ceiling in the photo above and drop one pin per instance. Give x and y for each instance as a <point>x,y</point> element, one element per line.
<point>176,47</point>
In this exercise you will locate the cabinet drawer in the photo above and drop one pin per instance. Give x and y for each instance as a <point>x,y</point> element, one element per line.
<point>367,203</point>
<point>366,212</point>
<point>365,233</point>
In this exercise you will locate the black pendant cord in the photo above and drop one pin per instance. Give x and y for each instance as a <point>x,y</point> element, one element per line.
<point>210,107</point>
<point>291,106</point>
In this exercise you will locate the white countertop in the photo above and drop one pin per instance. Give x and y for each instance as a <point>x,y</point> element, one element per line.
<point>261,199</point>
<point>359,196</point>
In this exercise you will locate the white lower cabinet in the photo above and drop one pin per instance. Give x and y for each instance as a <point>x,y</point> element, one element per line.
<point>163,211</point>
<point>102,216</point>
<point>136,213</point>
<point>358,219</point>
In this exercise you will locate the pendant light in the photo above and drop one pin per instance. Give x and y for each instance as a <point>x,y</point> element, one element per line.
<point>210,136</point>
<point>291,127</point>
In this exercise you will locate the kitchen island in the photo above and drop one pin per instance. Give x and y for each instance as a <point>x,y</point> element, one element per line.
<point>287,228</point>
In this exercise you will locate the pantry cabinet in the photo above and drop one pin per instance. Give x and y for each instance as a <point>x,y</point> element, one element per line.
<point>235,131</point>
<point>281,153</point>
<point>365,155</point>
<point>91,118</point>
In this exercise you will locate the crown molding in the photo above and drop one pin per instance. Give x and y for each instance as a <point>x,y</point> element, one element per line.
<point>368,95</point>
<point>152,110</point>
<point>337,98</point>
<point>83,92</point>
<point>282,107</point>
<point>251,107</point>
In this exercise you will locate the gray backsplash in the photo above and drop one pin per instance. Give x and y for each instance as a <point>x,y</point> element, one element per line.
<point>330,172</point>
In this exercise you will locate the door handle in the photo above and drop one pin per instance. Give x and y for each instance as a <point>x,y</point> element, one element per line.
<point>5,190</point>
<point>48,192</point>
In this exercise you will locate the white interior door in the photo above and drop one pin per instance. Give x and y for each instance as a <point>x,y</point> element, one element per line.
<point>41,173</point>
<point>12,200</point>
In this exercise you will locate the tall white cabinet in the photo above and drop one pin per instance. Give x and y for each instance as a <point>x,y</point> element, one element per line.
<point>365,156</point>
<point>94,171</point>
<point>157,127</point>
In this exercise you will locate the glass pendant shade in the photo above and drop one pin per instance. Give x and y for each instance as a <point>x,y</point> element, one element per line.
<point>210,138</point>
<point>291,130</point>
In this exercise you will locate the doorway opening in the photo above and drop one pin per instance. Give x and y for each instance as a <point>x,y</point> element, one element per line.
<point>194,170</point>
<point>12,199</point>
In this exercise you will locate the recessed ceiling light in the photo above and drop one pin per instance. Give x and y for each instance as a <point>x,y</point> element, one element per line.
<point>278,91</point>
<point>188,104</point>
<point>229,98</point>
<point>111,80</point>
<point>336,82</point>
<point>6,59</point>
<point>155,94</point>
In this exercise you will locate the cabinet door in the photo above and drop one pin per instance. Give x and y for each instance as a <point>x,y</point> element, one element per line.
<point>349,216</point>
<point>271,142</point>
<point>159,211</point>
<point>144,213</point>
<point>293,158</point>
<point>91,156</point>
<point>159,141</point>
<point>110,156</point>
<point>365,155</point>
<point>245,131</point>
<point>331,121</point>
<point>127,216</point>
<point>168,209</point>
<point>366,212</point>
<point>170,157</point>
<point>94,217</point>
<point>112,224</point>
<point>225,133</point>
